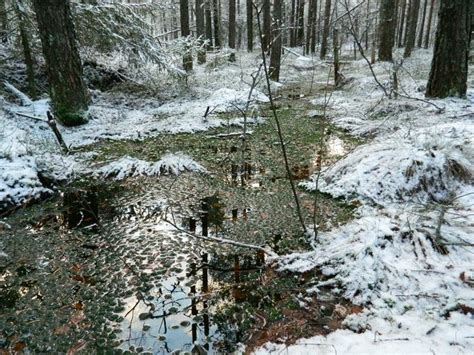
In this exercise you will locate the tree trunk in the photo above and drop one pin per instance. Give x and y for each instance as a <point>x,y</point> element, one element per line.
<point>300,39</point>
<point>314,7</point>
<point>232,24</point>
<point>249,26</point>
<point>428,27</point>
<point>386,30</point>
<point>267,25</point>
<point>324,41</point>
<point>3,22</point>
<point>449,68</point>
<point>217,34</point>
<point>69,94</point>
<point>200,30</point>
<point>411,30</point>
<point>27,54</point>
<point>402,23</point>
<point>185,32</point>
<point>275,57</point>
<point>422,25</point>
<point>208,14</point>
<point>293,21</point>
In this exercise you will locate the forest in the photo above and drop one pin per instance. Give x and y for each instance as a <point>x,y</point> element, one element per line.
<point>237,177</point>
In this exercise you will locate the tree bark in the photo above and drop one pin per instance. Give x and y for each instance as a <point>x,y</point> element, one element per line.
<point>217,30</point>
<point>402,23</point>
<point>422,25</point>
<point>324,40</point>
<point>208,14</point>
<point>267,25</point>
<point>411,28</point>
<point>275,57</point>
<point>249,26</point>
<point>300,39</point>
<point>428,27</point>
<point>68,91</point>
<point>293,18</point>
<point>386,30</point>
<point>185,32</point>
<point>3,22</point>
<point>27,53</point>
<point>313,23</point>
<point>232,24</point>
<point>449,68</point>
<point>200,30</point>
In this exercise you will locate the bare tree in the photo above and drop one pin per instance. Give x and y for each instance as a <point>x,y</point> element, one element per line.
<point>208,16</point>
<point>267,25</point>
<point>69,94</point>
<point>232,23</point>
<point>422,25</point>
<point>402,23</point>
<point>428,27</point>
<point>275,57</point>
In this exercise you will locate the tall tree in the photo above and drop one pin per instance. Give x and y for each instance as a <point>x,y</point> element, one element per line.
<point>69,94</point>
<point>300,34</point>
<point>401,22</point>
<point>185,32</point>
<point>422,25</point>
<point>275,56</point>
<point>200,30</point>
<point>217,29</point>
<point>249,25</point>
<point>386,29</point>
<point>208,15</point>
<point>25,42</point>
<point>324,40</point>
<point>449,67</point>
<point>232,24</point>
<point>293,25</point>
<point>411,28</point>
<point>267,25</point>
<point>313,24</point>
<point>428,27</point>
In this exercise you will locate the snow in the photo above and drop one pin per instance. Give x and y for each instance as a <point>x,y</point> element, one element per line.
<point>169,164</point>
<point>406,255</point>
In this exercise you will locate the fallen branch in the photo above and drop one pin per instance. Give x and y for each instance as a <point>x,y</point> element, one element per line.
<point>54,128</point>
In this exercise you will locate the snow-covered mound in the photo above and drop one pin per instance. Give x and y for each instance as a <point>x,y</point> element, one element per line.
<point>428,165</point>
<point>173,164</point>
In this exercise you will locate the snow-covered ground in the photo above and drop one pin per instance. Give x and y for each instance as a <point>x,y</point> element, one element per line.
<point>28,147</point>
<point>408,257</point>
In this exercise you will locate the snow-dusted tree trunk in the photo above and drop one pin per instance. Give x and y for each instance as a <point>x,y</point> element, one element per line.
<point>422,24</point>
<point>208,15</point>
<point>200,30</point>
<point>69,94</point>
<point>449,68</point>
<point>428,27</point>
<point>267,25</point>
<point>402,22</point>
<point>217,29</point>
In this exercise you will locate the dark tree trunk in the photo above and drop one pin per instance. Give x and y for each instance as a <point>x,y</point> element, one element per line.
<point>386,29</point>
<point>27,53</point>
<point>249,26</point>
<point>69,94</point>
<point>300,39</point>
<point>217,30</point>
<point>422,25</point>
<point>411,28</point>
<point>3,22</point>
<point>275,57</point>
<point>449,68</point>
<point>402,23</point>
<point>324,40</point>
<point>267,25</point>
<point>185,32</point>
<point>208,14</point>
<point>293,25</point>
<point>428,27</point>
<point>200,30</point>
<point>314,9</point>
<point>232,24</point>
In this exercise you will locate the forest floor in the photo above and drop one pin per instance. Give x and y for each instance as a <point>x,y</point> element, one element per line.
<point>389,270</point>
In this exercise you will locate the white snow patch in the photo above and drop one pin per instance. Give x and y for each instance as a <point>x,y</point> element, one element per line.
<point>169,164</point>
